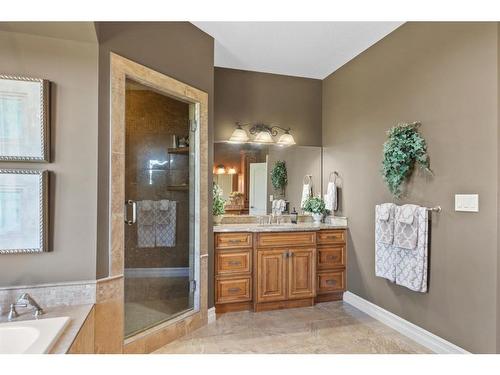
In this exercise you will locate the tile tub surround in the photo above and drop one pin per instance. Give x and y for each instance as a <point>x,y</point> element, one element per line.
<point>329,328</point>
<point>77,315</point>
<point>51,295</point>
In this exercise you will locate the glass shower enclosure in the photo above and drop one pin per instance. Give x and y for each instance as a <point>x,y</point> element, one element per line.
<point>160,190</point>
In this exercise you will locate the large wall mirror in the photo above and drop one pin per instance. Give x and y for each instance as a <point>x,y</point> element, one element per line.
<point>243,173</point>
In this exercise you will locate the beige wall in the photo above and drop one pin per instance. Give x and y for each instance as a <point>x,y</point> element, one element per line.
<point>72,68</point>
<point>177,49</point>
<point>445,75</point>
<point>250,97</point>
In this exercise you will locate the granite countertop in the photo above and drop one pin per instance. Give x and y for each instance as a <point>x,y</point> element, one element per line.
<point>256,228</point>
<point>77,315</point>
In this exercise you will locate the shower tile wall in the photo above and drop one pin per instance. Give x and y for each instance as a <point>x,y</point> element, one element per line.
<point>151,120</point>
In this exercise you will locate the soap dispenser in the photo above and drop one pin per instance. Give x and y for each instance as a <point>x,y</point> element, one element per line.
<point>293,216</point>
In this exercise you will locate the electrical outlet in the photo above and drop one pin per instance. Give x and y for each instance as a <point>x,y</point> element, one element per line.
<point>467,202</point>
<point>271,198</point>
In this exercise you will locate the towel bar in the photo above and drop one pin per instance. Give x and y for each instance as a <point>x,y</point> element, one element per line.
<point>434,209</point>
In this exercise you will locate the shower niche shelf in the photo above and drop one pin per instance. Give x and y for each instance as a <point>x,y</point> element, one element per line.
<point>178,150</point>
<point>178,187</point>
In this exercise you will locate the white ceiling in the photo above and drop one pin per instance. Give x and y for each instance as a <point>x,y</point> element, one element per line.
<point>304,49</point>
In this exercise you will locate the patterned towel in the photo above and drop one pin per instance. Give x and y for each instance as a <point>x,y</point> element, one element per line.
<point>145,224</point>
<point>384,216</point>
<point>412,264</point>
<point>406,226</point>
<point>166,218</point>
<point>385,256</point>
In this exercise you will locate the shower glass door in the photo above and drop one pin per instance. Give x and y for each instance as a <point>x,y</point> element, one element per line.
<point>161,200</point>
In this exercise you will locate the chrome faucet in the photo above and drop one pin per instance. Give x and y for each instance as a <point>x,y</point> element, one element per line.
<point>24,300</point>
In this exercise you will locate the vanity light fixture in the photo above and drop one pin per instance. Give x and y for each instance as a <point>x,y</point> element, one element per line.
<point>286,139</point>
<point>239,135</point>
<point>220,169</point>
<point>231,170</point>
<point>264,134</point>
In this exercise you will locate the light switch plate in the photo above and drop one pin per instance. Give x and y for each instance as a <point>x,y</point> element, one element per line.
<point>271,197</point>
<point>467,202</point>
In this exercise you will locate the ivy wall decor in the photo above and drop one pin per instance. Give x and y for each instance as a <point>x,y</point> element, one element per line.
<point>404,147</point>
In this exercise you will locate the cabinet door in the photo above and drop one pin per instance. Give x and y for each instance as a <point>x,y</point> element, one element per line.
<point>271,275</point>
<point>301,273</point>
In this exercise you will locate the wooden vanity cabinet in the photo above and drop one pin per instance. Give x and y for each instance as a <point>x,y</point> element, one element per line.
<point>275,270</point>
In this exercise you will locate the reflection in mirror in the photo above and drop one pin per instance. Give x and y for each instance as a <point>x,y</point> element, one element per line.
<point>243,172</point>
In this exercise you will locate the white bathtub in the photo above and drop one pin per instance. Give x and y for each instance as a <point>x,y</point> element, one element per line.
<point>31,336</point>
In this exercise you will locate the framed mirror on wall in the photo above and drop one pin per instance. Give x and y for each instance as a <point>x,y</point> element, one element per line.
<point>244,171</point>
<point>24,119</point>
<point>23,211</point>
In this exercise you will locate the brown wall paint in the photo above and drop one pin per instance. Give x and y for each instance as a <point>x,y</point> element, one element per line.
<point>249,97</point>
<point>445,75</point>
<point>177,49</point>
<point>72,68</point>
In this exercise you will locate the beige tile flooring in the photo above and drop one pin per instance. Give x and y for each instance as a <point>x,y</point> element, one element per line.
<point>331,327</point>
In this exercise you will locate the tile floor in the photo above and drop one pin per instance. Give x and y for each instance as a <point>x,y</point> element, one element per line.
<point>331,327</point>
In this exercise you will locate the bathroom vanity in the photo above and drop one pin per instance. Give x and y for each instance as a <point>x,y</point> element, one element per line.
<point>260,267</point>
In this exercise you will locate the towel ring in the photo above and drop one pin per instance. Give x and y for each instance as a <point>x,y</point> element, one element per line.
<point>307,179</point>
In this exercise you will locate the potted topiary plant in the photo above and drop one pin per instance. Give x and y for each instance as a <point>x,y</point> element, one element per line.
<point>279,177</point>
<point>316,206</point>
<point>218,204</point>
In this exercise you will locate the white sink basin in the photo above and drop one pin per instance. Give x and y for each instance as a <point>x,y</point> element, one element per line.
<point>31,336</point>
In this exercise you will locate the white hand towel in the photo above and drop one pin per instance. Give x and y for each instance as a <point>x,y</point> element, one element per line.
<point>412,264</point>
<point>331,197</point>
<point>145,224</point>
<point>385,256</point>
<point>306,193</point>
<point>406,226</point>
<point>166,218</point>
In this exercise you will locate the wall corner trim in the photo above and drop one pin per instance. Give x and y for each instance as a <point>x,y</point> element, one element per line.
<point>414,332</point>
<point>211,315</point>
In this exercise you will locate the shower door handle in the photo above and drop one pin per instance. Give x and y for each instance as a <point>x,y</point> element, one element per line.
<point>134,212</point>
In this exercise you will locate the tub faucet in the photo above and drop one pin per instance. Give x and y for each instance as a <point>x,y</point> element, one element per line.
<point>24,300</point>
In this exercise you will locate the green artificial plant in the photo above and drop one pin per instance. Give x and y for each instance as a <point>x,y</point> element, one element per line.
<point>315,205</point>
<point>279,176</point>
<point>218,201</point>
<point>403,148</point>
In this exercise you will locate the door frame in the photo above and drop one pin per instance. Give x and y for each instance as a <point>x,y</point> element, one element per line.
<point>264,164</point>
<point>120,70</point>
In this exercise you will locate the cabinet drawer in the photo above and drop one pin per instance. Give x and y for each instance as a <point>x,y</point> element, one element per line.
<point>331,257</point>
<point>233,289</point>
<point>229,262</point>
<point>233,240</point>
<point>332,281</point>
<point>331,236</point>
<point>286,239</point>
